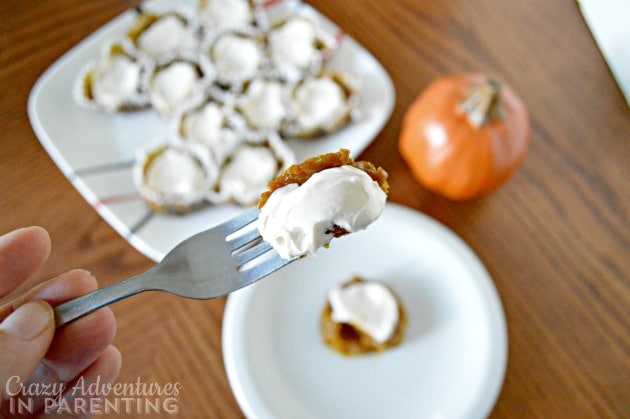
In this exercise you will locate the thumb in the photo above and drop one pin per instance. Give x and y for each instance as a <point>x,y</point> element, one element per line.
<point>25,336</point>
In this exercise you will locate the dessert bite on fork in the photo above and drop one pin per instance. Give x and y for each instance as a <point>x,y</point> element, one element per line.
<point>324,197</point>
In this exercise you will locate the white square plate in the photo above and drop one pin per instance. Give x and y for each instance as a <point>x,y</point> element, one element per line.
<point>96,151</point>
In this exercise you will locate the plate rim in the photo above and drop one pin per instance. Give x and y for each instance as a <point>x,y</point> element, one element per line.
<point>495,374</point>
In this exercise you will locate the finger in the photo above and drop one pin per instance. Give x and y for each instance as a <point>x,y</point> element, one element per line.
<point>25,337</point>
<point>80,397</point>
<point>77,344</point>
<point>22,253</point>
<point>60,396</point>
<point>62,288</point>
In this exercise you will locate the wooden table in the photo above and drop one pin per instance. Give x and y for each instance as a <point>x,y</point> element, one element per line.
<point>555,239</point>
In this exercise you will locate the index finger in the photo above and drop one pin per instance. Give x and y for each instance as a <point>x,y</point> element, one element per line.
<point>22,253</point>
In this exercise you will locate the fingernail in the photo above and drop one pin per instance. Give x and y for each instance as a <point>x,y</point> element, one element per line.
<point>28,321</point>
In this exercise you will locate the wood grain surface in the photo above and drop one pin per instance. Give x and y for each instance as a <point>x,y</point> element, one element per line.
<point>555,238</point>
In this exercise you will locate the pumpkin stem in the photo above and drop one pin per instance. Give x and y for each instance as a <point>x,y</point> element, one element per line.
<point>482,104</point>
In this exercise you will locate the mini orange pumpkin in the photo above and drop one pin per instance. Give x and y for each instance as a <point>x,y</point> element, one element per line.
<point>465,135</point>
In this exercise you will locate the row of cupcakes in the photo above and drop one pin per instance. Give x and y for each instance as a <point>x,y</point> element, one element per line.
<point>315,105</point>
<point>178,177</point>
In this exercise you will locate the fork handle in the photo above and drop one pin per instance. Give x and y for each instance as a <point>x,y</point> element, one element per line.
<point>79,307</point>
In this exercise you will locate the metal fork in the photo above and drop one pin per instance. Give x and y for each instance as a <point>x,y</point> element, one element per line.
<point>208,265</point>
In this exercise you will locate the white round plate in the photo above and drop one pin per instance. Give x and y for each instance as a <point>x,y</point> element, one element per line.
<point>451,363</point>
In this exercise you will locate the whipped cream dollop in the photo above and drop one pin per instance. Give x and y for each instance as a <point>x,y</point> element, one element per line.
<point>226,14</point>
<point>319,103</point>
<point>174,172</point>
<point>173,86</point>
<point>114,81</point>
<point>207,125</point>
<point>204,124</point>
<point>167,35</point>
<point>246,175</point>
<point>263,104</point>
<point>236,57</point>
<point>295,219</point>
<point>292,46</point>
<point>368,306</point>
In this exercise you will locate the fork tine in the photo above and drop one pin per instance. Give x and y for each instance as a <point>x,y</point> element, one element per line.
<point>265,268</point>
<point>250,254</point>
<point>241,220</point>
<point>244,239</point>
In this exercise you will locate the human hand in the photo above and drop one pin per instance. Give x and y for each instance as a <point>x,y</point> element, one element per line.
<point>33,354</point>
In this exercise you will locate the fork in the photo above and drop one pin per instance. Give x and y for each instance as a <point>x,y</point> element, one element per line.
<point>208,265</point>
